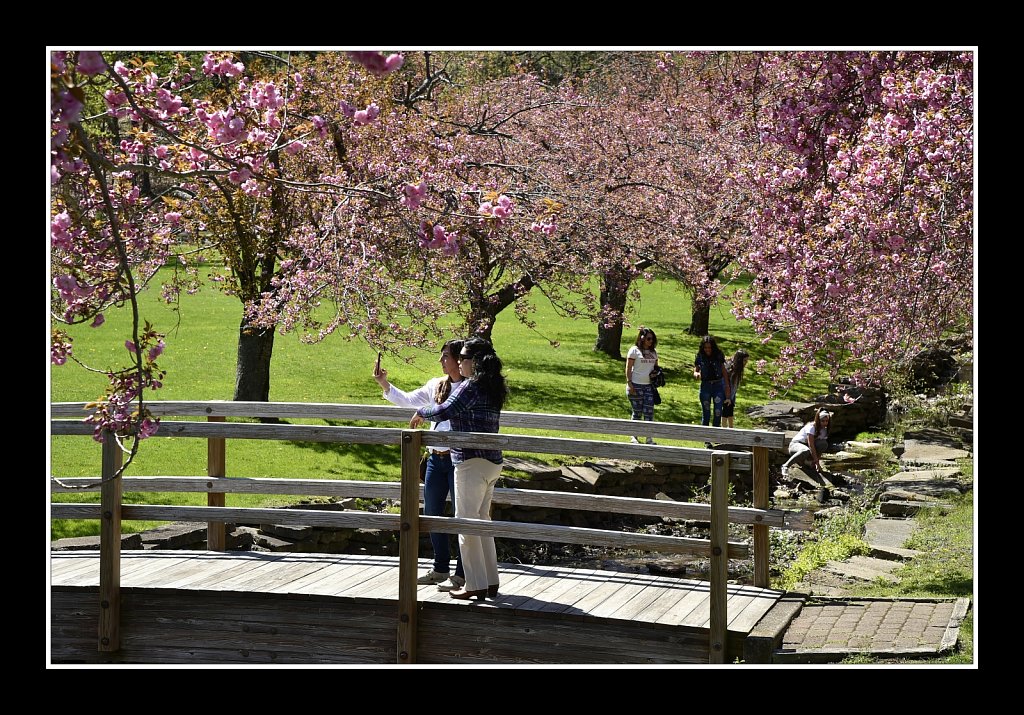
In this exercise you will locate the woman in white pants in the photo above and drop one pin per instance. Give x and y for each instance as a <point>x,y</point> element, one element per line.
<point>474,406</point>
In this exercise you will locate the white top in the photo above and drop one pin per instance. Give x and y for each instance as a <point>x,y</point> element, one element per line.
<point>807,430</point>
<point>642,365</point>
<point>421,397</point>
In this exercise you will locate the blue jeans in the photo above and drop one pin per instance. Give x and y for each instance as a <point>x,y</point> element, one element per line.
<point>438,483</point>
<point>711,392</point>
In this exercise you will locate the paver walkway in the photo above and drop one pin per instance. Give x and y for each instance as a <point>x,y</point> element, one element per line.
<point>828,630</point>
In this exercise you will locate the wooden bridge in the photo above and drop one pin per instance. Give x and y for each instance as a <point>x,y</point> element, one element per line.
<point>110,606</point>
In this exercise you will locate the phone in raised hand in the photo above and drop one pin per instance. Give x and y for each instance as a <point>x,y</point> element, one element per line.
<point>376,370</point>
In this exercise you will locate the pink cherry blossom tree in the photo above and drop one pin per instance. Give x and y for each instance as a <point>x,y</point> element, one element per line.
<point>861,239</point>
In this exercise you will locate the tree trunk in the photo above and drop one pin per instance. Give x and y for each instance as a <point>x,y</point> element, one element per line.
<point>252,371</point>
<point>484,309</point>
<point>700,318</point>
<point>614,289</point>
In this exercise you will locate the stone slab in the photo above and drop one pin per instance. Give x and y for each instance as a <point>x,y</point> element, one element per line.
<point>889,533</point>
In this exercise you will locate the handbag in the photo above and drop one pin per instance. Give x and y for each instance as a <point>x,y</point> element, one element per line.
<point>657,377</point>
<point>656,396</point>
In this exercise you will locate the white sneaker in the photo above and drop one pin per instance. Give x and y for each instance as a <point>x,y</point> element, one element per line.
<point>650,440</point>
<point>452,584</point>
<point>432,577</point>
<point>634,440</point>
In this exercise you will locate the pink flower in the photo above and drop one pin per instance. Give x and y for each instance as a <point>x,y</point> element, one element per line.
<point>221,65</point>
<point>295,147</point>
<point>97,321</point>
<point>239,176</point>
<point>154,352</point>
<point>413,195</point>
<point>90,63</point>
<point>173,217</point>
<point>131,346</point>
<point>148,428</point>
<point>376,63</point>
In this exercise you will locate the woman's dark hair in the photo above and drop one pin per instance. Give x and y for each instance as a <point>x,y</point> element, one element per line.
<point>444,387</point>
<point>736,365</point>
<point>644,332</point>
<point>716,352</point>
<point>487,369</point>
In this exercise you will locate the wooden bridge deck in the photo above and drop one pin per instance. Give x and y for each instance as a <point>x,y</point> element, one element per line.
<point>257,607</point>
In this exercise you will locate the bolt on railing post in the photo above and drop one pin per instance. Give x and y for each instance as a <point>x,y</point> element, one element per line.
<point>409,545</point>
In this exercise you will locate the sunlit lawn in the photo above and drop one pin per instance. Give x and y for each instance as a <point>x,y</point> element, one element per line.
<point>200,364</point>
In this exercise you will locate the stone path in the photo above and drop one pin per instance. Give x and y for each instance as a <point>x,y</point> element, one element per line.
<point>831,625</point>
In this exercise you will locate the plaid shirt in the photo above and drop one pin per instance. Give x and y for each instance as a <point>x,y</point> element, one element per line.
<point>469,410</point>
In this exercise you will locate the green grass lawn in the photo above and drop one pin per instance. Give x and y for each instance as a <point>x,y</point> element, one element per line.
<point>200,365</point>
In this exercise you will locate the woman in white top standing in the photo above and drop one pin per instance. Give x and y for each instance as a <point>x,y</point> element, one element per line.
<point>640,360</point>
<point>440,479</point>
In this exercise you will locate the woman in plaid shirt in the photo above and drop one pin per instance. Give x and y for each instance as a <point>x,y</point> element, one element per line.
<point>474,406</point>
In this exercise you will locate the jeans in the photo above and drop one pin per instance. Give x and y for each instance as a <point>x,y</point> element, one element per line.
<point>438,483</point>
<point>642,402</point>
<point>711,391</point>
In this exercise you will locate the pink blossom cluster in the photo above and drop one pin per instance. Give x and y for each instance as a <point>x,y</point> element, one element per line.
<point>435,236</point>
<point>546,226</point>
<point>376,63</point>
<point>60,347</point>
<point>360,117</point>
<point>413,195</point>
<point>220,63</point>
<point>500,209</point>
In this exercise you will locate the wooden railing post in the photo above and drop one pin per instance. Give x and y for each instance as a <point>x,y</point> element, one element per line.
<point>761,544</point>
<point>719,555</point>
<point>409,545</point>
<point>216,467</point>
<point>110,547</point>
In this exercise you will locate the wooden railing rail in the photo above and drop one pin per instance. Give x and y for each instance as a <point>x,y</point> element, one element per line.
<point>391,413</point>
<point>777,518</point>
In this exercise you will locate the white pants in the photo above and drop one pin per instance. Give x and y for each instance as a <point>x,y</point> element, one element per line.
<point>800,452</point>
<point>474,487</point>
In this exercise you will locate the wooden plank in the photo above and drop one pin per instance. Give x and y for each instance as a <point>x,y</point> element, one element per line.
<point>243,485</point>
<point>561,595</point>
<point>389,413</point>
<point>110,546</point>
<point>672,594</point>
<point>625,593</point>
<point>288,571</point>
<point>388,436</point>
<point>166,570</point>
<point>603,591</point>
<point>740,596</point>
<point>323,581</point>
<point>216,538</point>
<point>750,615</point>
<point>759,470</point>
<point>373,587</point>
<point>719,572</point>
<point>779,518</point>
<point>575,535</point>
<point>652,591</point>
<point>63,566</point>
<point>307,517</point>
<point>345,580</point>
<point>225,575</point>
<point>678,614</point>
<point>409,546</point>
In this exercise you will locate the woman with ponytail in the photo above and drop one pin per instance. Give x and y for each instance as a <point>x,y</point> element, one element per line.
<point>440,477</point>
<point>474,406</point>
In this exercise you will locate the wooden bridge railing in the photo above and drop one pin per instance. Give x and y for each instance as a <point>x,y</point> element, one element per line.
<point>409,523</point>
